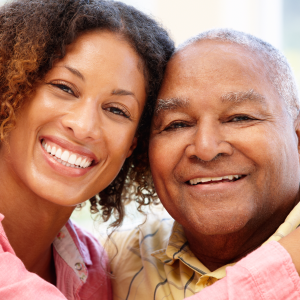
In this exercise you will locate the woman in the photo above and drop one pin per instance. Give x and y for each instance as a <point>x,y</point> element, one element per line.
<point>76,77</point>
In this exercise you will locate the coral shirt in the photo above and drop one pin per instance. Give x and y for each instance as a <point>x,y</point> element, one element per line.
<point>81,269</point>
<point>267,273</point>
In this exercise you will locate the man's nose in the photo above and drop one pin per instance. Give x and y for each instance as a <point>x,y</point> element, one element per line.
<point>83,120</point>
<point>208,142</point>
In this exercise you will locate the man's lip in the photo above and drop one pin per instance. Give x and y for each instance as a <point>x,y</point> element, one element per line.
<point>212,175</point>
<point>70,147</point>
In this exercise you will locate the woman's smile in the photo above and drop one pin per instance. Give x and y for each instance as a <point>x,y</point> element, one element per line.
<point>67,159</point>
<point>75,133</point>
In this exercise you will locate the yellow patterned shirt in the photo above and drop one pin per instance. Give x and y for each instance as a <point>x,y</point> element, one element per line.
<point>154,261</point>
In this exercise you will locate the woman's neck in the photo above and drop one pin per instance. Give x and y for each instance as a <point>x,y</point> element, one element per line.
<point>31,224</point>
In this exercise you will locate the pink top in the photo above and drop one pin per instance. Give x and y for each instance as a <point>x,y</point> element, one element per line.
<point>265,274</point>
<point>81,269</point>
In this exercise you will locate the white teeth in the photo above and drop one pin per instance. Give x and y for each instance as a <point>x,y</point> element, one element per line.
<point>206,179</point>
<point>65,156</point>
<point>78,161</point>
<point>83,163</point>
<point>72,159</point>
<point>87,164</point>
<point>53,151</point>
<point>58,153</point>
<point>214,179</point>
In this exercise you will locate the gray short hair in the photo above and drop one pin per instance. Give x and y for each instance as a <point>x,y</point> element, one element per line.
<point>280,73</point>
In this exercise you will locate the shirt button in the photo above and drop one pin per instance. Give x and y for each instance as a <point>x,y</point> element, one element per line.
<point>78,266</point>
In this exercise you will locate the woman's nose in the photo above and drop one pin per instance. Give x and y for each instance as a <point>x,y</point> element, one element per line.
<point>84,120</point>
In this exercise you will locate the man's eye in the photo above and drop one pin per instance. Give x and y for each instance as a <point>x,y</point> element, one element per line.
<point>175,125</point>
<point>241,118</point>
<point>118,111</point>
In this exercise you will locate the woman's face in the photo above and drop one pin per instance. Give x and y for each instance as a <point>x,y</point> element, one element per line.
<point>72,137</point>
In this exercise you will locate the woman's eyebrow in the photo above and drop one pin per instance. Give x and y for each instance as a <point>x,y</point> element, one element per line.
<point>122,92</point>
<point>75,72</point>
<point>170,104</point>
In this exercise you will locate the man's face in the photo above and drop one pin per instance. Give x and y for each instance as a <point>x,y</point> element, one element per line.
<point>223,149</point>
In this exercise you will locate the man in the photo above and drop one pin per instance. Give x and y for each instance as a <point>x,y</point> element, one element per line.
<point>224,155</point>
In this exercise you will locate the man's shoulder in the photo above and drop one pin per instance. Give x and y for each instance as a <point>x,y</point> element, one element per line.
<point>154,229</point>
<point>135,271</point>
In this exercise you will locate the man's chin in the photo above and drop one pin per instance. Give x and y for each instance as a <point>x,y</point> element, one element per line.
<point>220,226</point>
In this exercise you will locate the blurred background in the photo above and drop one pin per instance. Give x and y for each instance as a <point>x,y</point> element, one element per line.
<point>276,21</point>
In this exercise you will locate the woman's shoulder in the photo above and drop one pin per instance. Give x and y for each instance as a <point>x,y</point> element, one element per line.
<point>97,285</point>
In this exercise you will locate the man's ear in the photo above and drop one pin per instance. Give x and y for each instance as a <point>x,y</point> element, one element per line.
<point>132,147</point>
<point>297,129</point>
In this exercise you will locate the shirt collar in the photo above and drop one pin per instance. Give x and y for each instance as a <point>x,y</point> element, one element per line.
<point>178,248</point>
<point>75,253</point>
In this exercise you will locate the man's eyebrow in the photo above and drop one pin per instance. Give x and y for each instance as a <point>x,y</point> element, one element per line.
<point>170,104</point>
<point>121,92</point>
<point>75,72</point>
<point>242,96</point>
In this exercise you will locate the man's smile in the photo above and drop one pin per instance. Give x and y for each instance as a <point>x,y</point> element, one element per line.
<point>214,180</point>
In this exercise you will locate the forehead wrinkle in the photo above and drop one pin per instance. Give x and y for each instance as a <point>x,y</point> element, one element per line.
<point>243,96</point>
<point>170,104</point>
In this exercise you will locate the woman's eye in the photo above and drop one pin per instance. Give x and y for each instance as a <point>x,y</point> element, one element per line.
<point>118,111</point>
<point>64,88</point>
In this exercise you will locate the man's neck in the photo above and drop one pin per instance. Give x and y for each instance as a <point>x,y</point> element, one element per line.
<point>215,251</point>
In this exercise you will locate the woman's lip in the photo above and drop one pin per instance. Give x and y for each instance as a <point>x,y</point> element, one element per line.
<point>70,147</point>
<point>60,168</point>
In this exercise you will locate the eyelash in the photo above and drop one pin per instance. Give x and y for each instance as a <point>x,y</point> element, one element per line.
<point>121,111</point>
<point>173,125</point>
<point>114,109</point>
<point>64,87</point>
<point>245,118</point>
<point>239,119</point>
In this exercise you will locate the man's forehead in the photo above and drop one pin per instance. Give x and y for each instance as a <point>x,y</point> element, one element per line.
<point>215,66</point>
<point>210,46</point>
<point>208,55</point>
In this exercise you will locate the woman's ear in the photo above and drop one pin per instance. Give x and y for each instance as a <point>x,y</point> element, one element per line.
<point>132,147</point>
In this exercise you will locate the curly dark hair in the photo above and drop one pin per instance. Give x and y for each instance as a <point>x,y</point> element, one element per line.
<point>34,34</point>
